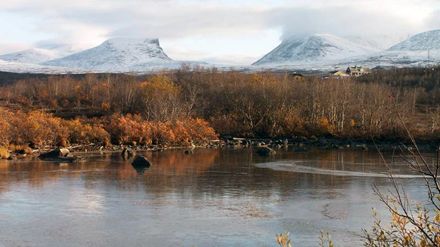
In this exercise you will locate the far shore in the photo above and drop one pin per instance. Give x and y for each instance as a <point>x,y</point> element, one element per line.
<point>297,144</point>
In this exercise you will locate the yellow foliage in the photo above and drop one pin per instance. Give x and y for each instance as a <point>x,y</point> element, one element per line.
<point>325,124</point>
<point>4,153</point>
<point>422,230</point>
<point>352,123</point>
<point>105,106</point>
<point>25,149</point>
<point>4,128</point>
<point>81,133</point>
<point>283,240</point>
<point>159,85</point>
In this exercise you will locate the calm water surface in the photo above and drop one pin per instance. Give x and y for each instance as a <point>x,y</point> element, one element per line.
<point>210,198</point>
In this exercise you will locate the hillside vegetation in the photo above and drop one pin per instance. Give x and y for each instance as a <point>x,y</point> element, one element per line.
<point>255,105</point>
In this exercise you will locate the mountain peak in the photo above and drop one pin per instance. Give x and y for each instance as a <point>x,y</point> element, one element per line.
<point>429,40</point>
<point>122,42</point>
<point>117,54</point>
<point>313,48</point>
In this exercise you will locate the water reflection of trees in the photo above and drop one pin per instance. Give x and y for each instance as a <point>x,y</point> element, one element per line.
<point>232,174</point>
<point>32,173</point>
<point>205,174</point>
<point>36,173</point>
<point>168,170</point>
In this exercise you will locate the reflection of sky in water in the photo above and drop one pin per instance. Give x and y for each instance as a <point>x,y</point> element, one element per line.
<point>211,197</point>
<point>86,202</point>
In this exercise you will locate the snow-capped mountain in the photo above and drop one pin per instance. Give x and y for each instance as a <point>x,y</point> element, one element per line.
<point>419,50</point>
<point>378,42</point>
<point>420,42</point>
<point>317,48</point>
<point>323,52</point>
<point>20,67</point>
<point>32,56</point>
<point>119,55</point>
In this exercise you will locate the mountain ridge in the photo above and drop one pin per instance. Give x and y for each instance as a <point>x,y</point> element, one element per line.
<point>118,54</point>
<point>313,52</point>
<point>313,48</point>
<point>424,41</point>
<point>33,55</point>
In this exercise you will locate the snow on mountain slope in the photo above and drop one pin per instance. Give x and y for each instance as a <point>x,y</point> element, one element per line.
<point>19,67</point>
<point>422,49</point>
<point>119,55</point>
<point>317,48</point>
<point>378,42</point>
<point>316,52</point>
<point>33,55</point>
<point>420,42</point>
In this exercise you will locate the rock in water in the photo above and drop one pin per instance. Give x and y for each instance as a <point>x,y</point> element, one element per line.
<point>58,154</point>
<point>64,152</point>
<point>140,164</point>
<point>266,151</point>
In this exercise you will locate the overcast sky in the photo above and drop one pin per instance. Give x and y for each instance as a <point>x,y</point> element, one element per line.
<point>224,31</point>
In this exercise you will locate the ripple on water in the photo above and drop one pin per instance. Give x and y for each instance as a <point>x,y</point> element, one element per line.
<point>293,166</point>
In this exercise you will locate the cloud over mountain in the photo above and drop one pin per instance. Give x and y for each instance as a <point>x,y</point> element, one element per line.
<point>55,21</point>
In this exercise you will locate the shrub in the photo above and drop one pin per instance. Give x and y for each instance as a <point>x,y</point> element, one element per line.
<point>130,129</point>
<point>4,153</point>
<point>4,129</point>
<point>37,128</point>
<point>199,130</point>
<point>21,149</point>
<point>82,133</point>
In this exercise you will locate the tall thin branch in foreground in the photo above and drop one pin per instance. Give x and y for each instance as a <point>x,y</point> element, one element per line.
<point>411,224</point>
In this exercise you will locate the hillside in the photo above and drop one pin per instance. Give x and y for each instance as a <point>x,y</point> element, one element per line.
<point>118,55</point>
<point>317,49</point>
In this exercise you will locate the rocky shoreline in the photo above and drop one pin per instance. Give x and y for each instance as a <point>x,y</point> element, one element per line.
<point>296,144</point>
<point>331,143</point>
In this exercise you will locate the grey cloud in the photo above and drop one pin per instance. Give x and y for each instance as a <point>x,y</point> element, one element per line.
<point>434,20</point>
<point>344,21</point>
<point>70,22</point>
<point>174,19</point>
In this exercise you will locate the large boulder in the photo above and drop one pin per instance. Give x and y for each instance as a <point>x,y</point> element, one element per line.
<point>58,154</point>
<point>140,164</point>
<point>265,151</point>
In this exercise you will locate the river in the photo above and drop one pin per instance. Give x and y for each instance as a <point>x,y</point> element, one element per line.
<point>210,198</point>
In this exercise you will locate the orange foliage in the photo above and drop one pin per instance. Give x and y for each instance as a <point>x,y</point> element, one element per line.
<point>36,128</point>
<point>130,129</point>
<point>199,130</point>
<point>4,128</point>
<point>81,133</point>
<point>325,125</point>
<point>40,129</point>
<point>4,153</point>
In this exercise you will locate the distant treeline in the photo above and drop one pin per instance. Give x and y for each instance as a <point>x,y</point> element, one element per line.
<point>425,80</point>
<point>269,105</point>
